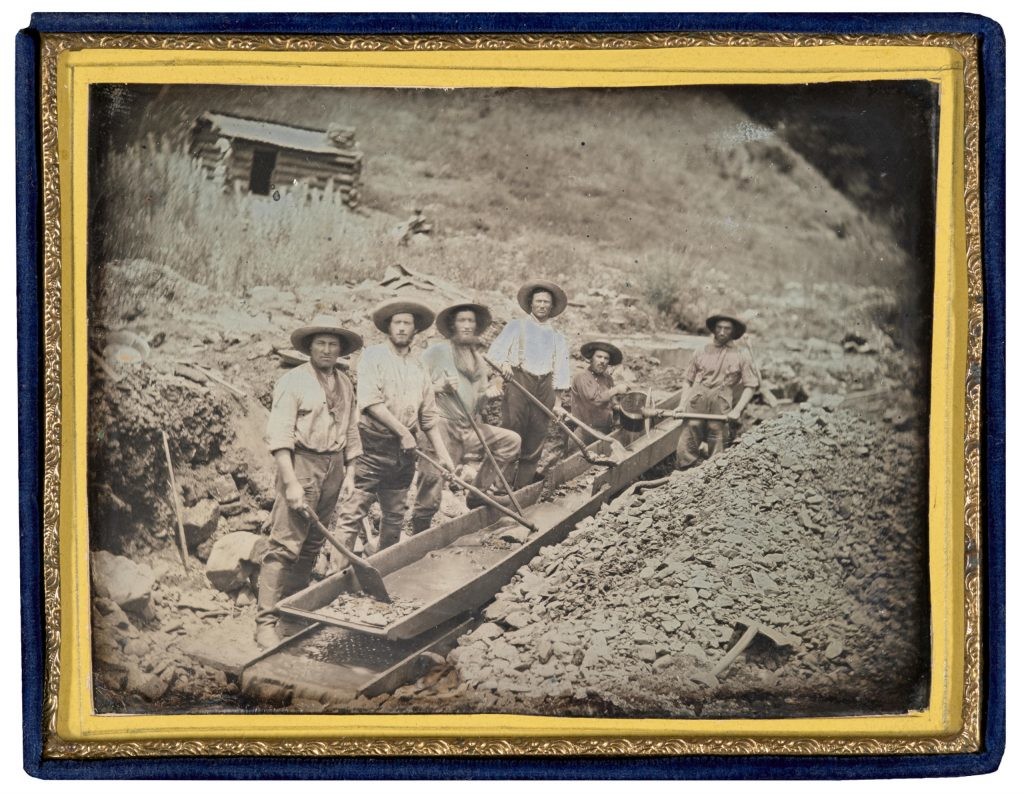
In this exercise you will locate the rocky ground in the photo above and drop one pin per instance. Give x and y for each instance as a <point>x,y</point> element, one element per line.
<point>808,526</point>
<point>206,384</point>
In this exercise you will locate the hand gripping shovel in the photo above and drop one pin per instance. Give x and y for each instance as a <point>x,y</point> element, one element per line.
<point>487,451</point>
<point>618,453</point>
<point>369,578</point>
<point>579,442</point>
<point>474,490</point>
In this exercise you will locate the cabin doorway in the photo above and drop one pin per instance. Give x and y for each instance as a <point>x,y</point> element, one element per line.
<point>261,177</point>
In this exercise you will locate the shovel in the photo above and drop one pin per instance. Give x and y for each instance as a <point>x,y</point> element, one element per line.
<point>677,414</point>
<point>369,578</point>
<point>476,491</point>
<point>618,453</point>
<point>487,450</point>
<point>751,628</point>
<point>579,442</point>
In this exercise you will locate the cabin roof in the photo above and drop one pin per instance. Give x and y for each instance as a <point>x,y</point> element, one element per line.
<point>280,135</point>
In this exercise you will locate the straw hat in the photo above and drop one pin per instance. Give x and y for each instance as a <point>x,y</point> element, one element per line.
<point>559,300</point>
<point>443,323</point>
<point>422,316</point>
<point>738,326</point>
<point>325,324</point>
<point>588,349</point>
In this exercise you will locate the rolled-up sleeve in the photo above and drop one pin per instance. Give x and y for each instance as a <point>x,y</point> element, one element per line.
<point>561,369</point>
<point>690,376</point>
<point>748,376</point>
<point>370,387</point>
<point>353,441</point>
<point>283,414</point>
<point>428,405</point>
<point>500,351</point>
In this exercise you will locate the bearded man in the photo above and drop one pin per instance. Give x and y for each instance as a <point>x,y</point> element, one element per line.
<point>460,377</point>
<point>396,399</point>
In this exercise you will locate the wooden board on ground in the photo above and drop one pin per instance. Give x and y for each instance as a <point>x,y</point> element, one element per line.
<point>226,646</point>
<point>333,665</point>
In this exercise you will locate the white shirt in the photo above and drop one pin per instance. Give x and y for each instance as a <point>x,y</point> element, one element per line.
<point>534,347</point>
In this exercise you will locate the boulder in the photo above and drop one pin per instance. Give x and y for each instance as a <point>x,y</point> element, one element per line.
<point>233,559</point>
<point>200,521</point>
<point>224,490</point>
<point>126,583</point>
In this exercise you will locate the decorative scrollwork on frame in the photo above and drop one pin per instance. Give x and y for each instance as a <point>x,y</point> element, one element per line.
<point>966,740</point>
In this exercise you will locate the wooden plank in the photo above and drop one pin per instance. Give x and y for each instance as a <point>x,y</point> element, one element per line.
<point>410,668</point>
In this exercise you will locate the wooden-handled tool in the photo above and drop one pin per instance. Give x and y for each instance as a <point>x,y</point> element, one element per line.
<point>487,451</point>
<point>677,414</point>
<point>369,578</point>
<point>476,491</point>
<point>579,442</point>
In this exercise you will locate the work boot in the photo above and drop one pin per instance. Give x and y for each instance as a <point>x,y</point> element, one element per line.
<point>421,524</point>
<point>273,576</point>
<point>267,636</point>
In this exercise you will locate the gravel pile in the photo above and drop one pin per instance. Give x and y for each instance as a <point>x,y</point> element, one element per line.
<point>812,524</point>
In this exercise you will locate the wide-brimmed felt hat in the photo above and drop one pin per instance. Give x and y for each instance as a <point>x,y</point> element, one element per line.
<point>738,326</point>
<point>558,298</point>
<point>588,349</point>
<point>325,324</point>
<point>443,323</point>
<point>422,316</point>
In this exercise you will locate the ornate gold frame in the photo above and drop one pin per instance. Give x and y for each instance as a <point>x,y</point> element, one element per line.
<point>56,386</point>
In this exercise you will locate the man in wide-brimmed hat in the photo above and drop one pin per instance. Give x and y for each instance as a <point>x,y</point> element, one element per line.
<point>460,378</point>
<point>312,433</point>
<point>711,381</point>
<point>395,395</point>
<point>593,391</point>
<point>536,356</point>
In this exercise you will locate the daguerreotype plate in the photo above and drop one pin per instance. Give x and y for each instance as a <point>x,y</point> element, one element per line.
<point>786,226</point>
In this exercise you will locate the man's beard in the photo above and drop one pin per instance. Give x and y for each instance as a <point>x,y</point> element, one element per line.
<point>401,343</point>
<point>467,359</point>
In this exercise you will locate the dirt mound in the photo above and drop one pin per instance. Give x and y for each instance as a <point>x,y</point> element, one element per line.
<point>122,290</point>
<point>128,486</point>
<point>810,524</point>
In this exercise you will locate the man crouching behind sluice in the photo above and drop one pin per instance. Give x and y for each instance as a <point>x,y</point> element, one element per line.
<point>313,435</point>
<point>711,379</point>
<point>395,396</point>
<point>460,378</point>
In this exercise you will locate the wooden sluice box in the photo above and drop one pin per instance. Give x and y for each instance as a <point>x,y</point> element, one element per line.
<point>437,579</point>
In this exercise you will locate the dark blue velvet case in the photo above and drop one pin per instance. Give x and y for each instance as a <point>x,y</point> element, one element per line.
<point>31,407</point>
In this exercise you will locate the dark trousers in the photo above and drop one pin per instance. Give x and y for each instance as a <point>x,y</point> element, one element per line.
<point>696,431</point>
<point>383,474</point>
<point>520,415</point>
<point>294,542</point>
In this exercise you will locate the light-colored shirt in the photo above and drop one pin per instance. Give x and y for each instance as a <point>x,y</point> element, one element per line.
<point>399,382</point>
<point>726,365</point>
<point>301,419</point>
<point>590,400</point>
<point>440,361</point>
<point>534,347</point>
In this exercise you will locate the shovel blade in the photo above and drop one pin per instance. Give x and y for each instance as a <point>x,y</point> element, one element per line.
<point>371,581</point>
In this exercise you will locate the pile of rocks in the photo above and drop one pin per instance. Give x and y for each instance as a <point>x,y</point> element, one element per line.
<point>813,524</point>
<point>140,613</point>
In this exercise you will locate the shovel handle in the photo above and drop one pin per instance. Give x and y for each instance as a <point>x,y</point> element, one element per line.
<point>579,442</point>
<point>354,558</point>
<point>735,650</point>
<point>487,450</point>
<point>476,491</point>
<point>686,415</point>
